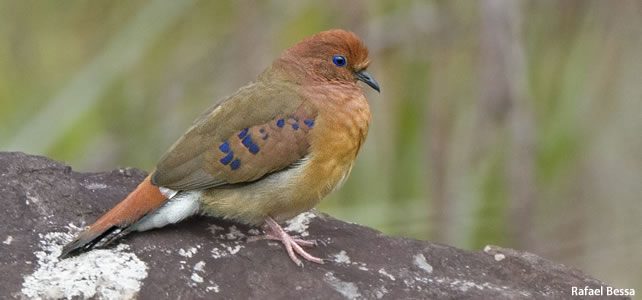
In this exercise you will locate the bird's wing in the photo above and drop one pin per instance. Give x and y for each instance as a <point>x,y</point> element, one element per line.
<point>261,129</point>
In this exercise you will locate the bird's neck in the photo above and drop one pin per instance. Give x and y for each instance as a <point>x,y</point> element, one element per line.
<point>283,70</point>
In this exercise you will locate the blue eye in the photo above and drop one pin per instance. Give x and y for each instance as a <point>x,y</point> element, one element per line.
<point>339,60</point>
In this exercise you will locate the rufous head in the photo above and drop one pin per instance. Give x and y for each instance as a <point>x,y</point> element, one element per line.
<point>335,55</point>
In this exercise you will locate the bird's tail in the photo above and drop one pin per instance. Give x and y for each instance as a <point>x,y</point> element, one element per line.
<point>114,224</point>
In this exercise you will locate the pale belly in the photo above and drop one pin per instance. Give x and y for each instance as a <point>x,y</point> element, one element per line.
<point>281,196</point>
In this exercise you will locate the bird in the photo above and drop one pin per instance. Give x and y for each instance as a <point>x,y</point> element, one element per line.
<point>265,154</point>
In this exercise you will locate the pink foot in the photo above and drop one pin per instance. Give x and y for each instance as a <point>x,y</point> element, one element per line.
<point>274,231</point>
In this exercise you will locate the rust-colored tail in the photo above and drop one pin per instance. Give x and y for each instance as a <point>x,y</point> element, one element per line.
<point>112,225</point>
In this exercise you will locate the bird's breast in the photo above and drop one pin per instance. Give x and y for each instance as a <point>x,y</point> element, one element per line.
<point>341,128</point>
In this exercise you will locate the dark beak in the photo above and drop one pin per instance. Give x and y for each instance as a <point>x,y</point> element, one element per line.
<point>368,79</point>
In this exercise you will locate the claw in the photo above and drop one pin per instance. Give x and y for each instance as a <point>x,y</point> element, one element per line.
<point>293,246</point>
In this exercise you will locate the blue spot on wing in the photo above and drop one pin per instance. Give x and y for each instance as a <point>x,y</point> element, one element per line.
<point>243,133</point>
<point>225,147</point>
<point>295,126</point>
<point>254,149</point>
<point>309,123</point>
<point>280,123</point>
<point>235,164</point>
<point>250,145</point>
<point>227,158</point>
<point>247,141</point>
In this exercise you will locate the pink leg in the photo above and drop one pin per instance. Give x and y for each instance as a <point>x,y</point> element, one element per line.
<point>274,231</point>
<point>301,242</point>
<point>275,237</point>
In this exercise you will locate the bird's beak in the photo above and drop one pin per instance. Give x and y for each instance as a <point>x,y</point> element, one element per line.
<point>368,79</point>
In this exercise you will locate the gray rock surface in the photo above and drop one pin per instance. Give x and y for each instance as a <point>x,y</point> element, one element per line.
<point>44,203</point>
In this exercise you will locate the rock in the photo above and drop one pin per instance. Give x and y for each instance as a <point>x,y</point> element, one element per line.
<point>44,203</point>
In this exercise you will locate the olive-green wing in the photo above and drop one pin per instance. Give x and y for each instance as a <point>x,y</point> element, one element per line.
<point>261,129</point>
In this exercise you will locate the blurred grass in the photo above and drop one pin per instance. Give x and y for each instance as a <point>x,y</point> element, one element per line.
<point>105,84</point>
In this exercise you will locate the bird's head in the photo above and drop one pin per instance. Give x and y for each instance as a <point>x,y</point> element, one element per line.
<point>334,55</point>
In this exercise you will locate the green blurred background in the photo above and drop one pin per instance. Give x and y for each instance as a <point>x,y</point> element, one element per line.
<point>515,123</point>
